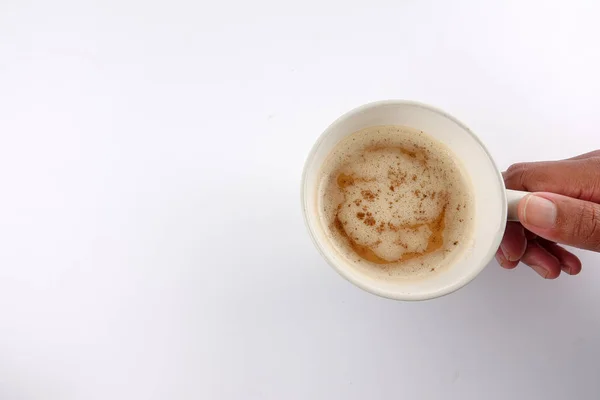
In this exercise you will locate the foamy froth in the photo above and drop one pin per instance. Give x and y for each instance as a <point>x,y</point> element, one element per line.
<point>395,200</point>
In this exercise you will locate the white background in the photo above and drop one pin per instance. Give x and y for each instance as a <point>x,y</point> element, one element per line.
<point>151,240</point>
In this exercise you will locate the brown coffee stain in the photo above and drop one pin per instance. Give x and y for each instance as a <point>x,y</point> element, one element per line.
<point>368,195</point>
<point>364,252</point>
<point>436,239</point>
<point>343,181</point>
<point>416,153</point>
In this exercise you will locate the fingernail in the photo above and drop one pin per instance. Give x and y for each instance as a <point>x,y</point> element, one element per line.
<point>507,256</point>
<point>539,212</point>
<point>504,253</point>
<point>541,271</point>
<point>501,259</point>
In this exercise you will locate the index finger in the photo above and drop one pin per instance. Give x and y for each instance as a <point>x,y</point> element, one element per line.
<point>577,178</point>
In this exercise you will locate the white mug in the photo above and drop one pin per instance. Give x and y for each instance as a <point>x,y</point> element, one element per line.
<point>494,204</point>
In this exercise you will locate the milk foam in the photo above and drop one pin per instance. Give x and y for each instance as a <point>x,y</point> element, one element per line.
<point>394,199</point>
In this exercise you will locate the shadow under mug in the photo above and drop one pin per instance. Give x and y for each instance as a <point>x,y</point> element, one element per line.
<point>494,204</point>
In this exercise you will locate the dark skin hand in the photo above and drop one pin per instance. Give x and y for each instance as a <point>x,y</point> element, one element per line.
<point>564,208</point>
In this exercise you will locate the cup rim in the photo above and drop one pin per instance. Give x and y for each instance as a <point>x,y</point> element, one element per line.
<point>361,283</point>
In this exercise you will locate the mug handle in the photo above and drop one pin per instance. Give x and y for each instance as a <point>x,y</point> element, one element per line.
<point>512,200</point>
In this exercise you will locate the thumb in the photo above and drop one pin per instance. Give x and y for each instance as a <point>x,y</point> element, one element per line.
<point>562,219</point>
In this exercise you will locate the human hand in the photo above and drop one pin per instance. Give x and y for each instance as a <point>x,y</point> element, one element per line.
<point>564,208</point>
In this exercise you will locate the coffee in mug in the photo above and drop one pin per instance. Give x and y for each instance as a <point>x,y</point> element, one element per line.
<point>396,202</point>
